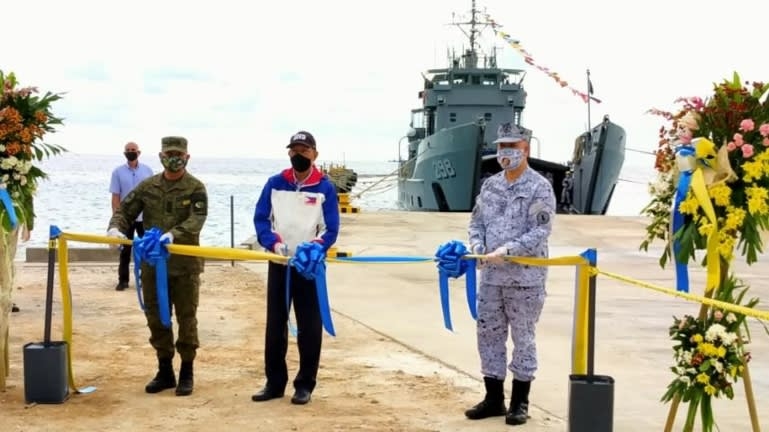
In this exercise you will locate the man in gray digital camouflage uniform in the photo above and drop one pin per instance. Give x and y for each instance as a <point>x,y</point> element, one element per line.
<point>175,202</point>
<point>513,216</point>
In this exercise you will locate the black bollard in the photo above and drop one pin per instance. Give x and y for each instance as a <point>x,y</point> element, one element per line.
<point>45,364</point>
<point>591,397</point>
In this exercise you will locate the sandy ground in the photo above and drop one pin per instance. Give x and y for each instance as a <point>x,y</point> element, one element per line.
<point>367,382</point>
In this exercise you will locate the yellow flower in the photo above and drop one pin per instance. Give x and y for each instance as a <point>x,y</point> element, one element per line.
<point>734,218</point>
<point>733,371</point>
<point>726,243</point>
<point>703,378</point>
<point>721,194</point>
<point>721,351</point>
<point>757,200</point>
<point>709,389</point>
<point>708,349</point>
<point>689,205</point>
<point>705,227</point>
<point>754,170</point>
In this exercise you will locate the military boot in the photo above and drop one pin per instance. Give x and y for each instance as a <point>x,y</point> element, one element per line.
<point>518,413</point>
<point>491,405</point>
<point>185,379</point>
<point>165,378</point>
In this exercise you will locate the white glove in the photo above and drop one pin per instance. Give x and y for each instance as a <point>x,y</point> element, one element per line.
<point>115,233</point>
<point>497,256</point>
<point>478,249</point>
<point>280,249</point>
<point>167,236</point>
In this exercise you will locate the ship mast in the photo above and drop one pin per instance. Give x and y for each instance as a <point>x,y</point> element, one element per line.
<point>471,55</point>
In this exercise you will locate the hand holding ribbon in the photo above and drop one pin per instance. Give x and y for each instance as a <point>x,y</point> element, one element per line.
<point>309,262</point>
<point>152,248</point>
<point>452,263</point>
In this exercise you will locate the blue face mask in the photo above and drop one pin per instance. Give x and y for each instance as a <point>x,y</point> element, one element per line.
<point>509,158</point>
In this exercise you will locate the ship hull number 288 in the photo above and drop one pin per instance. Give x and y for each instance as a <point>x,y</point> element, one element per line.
<point>443,169</point>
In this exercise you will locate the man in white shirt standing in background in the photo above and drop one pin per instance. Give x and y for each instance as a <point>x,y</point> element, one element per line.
<point>124,178</point>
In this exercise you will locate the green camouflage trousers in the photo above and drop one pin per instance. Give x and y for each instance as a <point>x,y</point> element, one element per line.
<point>183,293</point>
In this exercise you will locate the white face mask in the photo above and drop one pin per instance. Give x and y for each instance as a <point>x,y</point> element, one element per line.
<point>509,158</point>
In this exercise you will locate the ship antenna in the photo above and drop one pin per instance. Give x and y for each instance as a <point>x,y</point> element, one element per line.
<point>473,30</point>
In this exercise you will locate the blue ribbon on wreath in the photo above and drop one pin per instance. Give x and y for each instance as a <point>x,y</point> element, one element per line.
<point>309,262</point>
<point>149,248</point>
<point>452,264</point>
<point>682,188</point>
<point>8,204</point>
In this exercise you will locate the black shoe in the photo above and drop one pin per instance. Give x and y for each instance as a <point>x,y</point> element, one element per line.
<point>485,409</point>
<point>301,397</point>
<point>493,404</point>
<point>121,286</point>
<point>266,394</point>
<point>164,379</point>
<point>186,382</point>
<point>518,415</point>
<point>15,308</point>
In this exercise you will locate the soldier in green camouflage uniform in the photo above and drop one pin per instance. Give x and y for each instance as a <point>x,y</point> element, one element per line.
<point>175,202</point>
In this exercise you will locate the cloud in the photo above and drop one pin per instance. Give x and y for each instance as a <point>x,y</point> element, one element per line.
<point>239,78</point>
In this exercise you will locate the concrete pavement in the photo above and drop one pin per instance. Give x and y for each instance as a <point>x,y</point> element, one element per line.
<point>402,302</point>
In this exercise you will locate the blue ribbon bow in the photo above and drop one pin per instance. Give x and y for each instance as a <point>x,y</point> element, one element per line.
<point>8,204</point>
<point>451,263</point>
<point>309,262</point>
<point>149,248</point>
<point>684,181</point>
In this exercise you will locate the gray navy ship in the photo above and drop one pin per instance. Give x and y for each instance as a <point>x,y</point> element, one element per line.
<point>450,150</point>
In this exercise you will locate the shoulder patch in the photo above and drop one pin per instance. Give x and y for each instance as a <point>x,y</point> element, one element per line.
<point>199,203</point>
<point>543,217</point>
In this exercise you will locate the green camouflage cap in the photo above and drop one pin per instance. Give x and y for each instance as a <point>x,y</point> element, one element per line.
<point>174,143</point>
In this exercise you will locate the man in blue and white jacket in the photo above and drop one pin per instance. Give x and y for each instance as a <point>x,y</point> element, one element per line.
<point>297,205</point>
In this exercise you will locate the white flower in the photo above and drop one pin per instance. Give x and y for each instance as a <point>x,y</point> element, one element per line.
<point>16,176</point>
<point>687,357</point>
<point>2,148</point>
<point>718,365</point>
<point>715,331</point>
<point>5,178</point>
<point>24,167</point>
<point>728,338</point>
<point>685,379</point>
<point>15,194</point>
<point>730,317</point>
<point>23,180</point>
<point>9,162</point>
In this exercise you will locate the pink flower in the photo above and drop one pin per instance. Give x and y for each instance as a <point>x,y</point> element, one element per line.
<point>747,125</point>
<point>747,151</point>
<point>764,130</point>
<point>766,142</point>
<point>738,140</point>
<point>718,315</point>
<point>731,146</point>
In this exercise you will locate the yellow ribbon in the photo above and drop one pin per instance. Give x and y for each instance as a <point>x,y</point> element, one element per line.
<point>700,190</point>
<point>731,307</point>
<point>66,304</point>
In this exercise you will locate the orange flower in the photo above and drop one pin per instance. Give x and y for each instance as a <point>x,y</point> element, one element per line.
<point>12,148</point>
<point>25,136</point>
<point>41,117</point>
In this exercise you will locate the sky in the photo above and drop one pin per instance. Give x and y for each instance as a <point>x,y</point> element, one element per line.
<point>238,78</point>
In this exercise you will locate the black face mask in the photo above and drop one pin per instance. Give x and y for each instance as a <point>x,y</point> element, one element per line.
<point>131,156</point>
<point>300,163</point>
